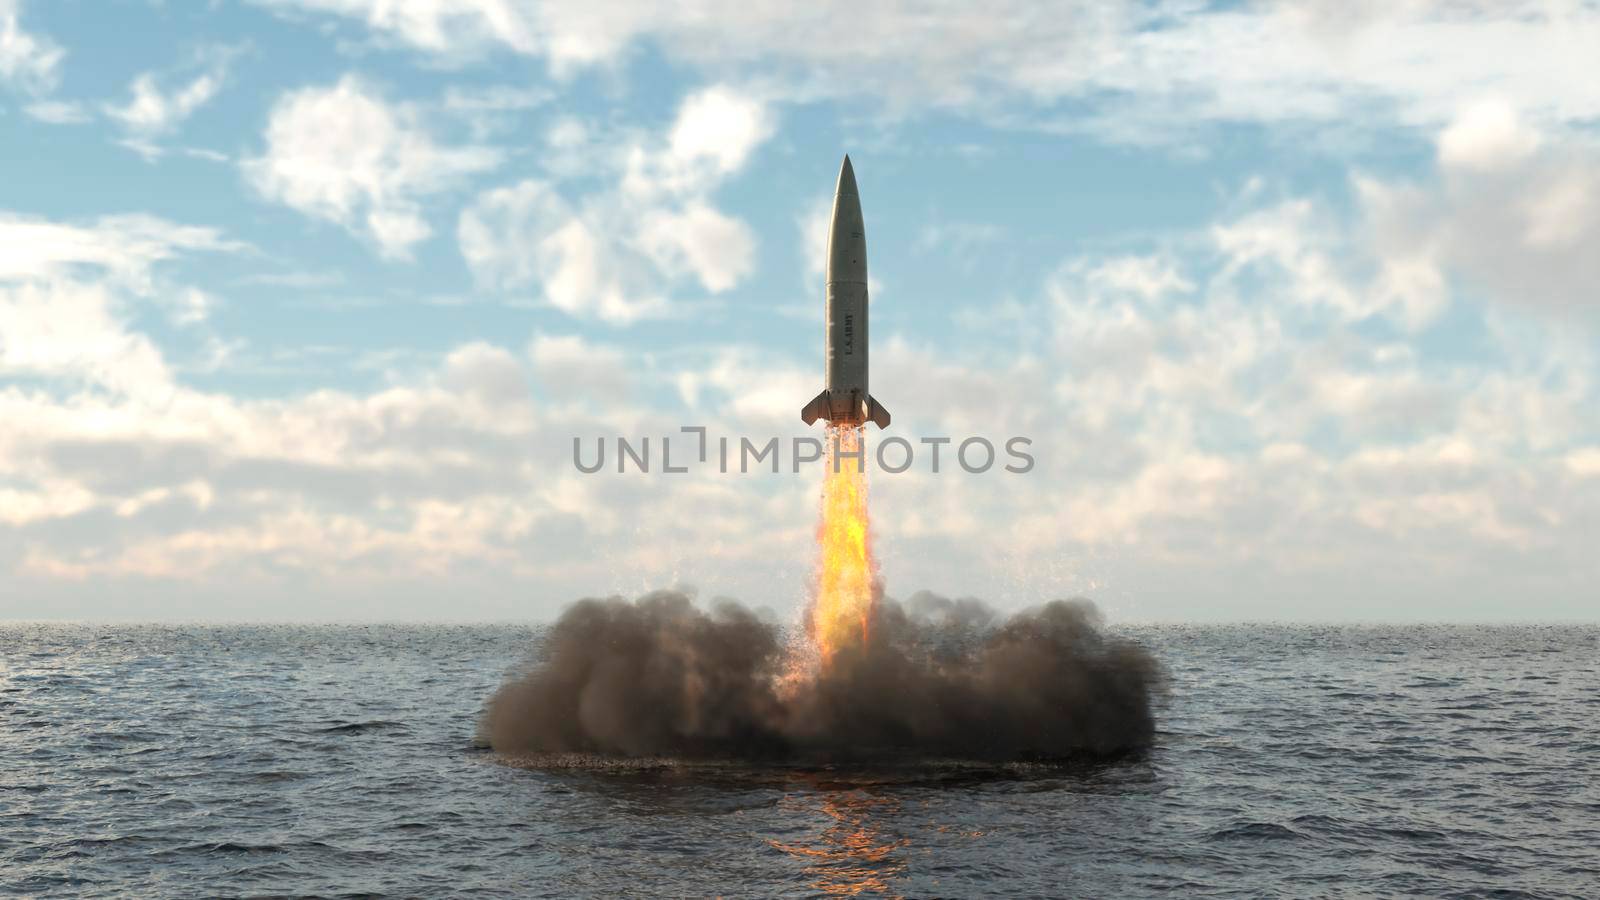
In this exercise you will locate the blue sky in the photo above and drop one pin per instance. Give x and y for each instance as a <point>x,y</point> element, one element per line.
<point>302,302</point>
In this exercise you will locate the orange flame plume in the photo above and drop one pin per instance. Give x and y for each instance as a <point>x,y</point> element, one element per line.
<point>842,609</point>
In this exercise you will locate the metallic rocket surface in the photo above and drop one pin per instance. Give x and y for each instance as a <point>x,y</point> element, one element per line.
<point>845,399</point>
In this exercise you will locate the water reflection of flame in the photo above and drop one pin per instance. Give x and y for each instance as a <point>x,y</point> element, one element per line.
<point>852,856</point>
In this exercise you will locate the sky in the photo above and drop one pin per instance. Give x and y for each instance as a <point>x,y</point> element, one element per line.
<point>304,302</point>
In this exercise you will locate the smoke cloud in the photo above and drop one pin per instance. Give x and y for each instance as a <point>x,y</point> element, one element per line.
<point>937,678</point>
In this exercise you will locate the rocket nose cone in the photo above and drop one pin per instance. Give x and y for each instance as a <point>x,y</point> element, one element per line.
<point>847,178</point>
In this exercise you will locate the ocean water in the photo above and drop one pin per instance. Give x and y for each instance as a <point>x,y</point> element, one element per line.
<point>341,761</point>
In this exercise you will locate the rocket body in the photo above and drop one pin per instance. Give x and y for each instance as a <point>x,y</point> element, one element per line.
<point>845,399</point>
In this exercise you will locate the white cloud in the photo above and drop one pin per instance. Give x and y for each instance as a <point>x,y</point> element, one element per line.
<point>495,98</point>
<point>718,250</point>
<point>527,236</point>
<point>445,478</point>
<point>192,306</point>
<point>449,475</point>
<point>1486,135</point>
<point>721,125</point>
<point>1584,462</point>
<point>1181,425</point>
<point>965,238</point>
<point>64,294</point>
<point>1214,406</point>
<point>344,154</point>
<point>739,382</point>
<point>444,26</point>
<point>1302,251</point>
<point>71,331</point>
<point>572,369</point>
<point>1148,69</point>
<point>126,246</point>
<point>1196,417</point>
<point>27,60</point>
<point>615,253</point>
<point>153,109</point>
<point>494,109</point>
<point>503,232</point>
<point>57,112</point>
<point>488,374</point>
<point>1148,278</point>
<point>1515,212</point>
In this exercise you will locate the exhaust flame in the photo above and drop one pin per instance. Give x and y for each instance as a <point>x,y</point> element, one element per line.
<point>846,589</point>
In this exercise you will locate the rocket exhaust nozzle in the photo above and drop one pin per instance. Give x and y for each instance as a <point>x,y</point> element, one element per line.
<point>845,408</point>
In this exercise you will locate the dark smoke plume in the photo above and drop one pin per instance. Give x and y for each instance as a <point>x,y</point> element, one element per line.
<point>936,679</point>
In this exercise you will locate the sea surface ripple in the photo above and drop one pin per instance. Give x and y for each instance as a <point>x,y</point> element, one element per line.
<point>214,761</point>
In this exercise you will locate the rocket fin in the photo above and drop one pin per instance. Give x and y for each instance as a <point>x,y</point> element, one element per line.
<point>876,414</point>
<point>816,409</point>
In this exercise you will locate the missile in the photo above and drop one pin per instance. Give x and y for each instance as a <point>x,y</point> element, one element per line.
<point>845,400</point>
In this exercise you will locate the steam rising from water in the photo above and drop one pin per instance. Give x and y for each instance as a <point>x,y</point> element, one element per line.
<point>937,678</point>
